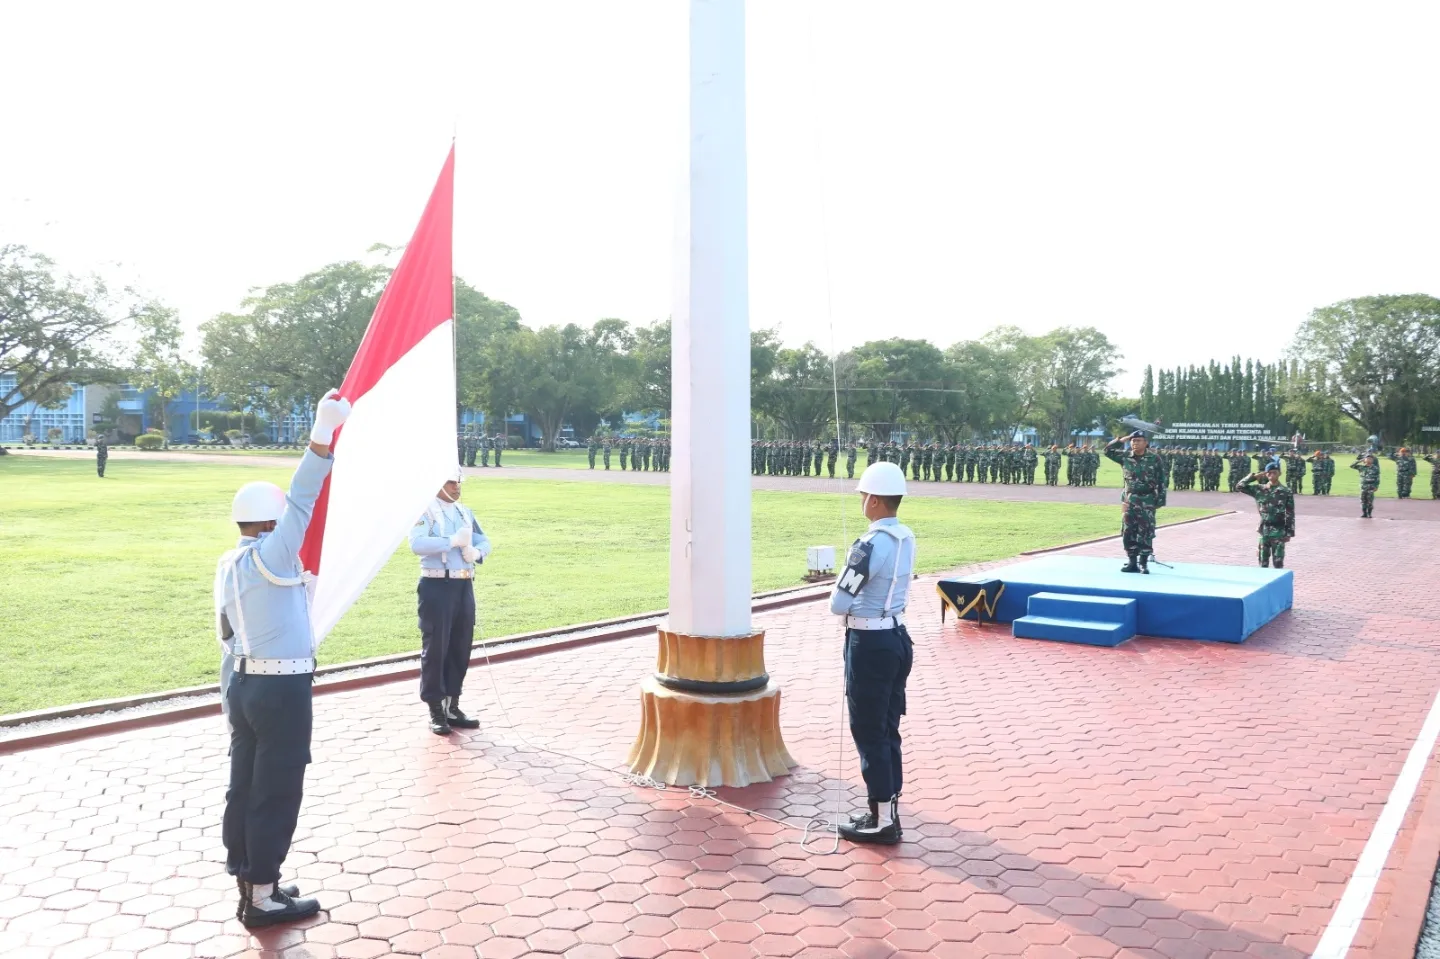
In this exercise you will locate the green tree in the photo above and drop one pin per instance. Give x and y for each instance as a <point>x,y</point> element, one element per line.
<point>798,393</point>
<point>894,382</point>
<point>1078,363</point>
<point>159,365</point>
<point>1380,356</point>
<point>55,330</point>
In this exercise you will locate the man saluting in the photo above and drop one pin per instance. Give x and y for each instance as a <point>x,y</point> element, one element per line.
<point>262,619</point>
<point>1144,491</point>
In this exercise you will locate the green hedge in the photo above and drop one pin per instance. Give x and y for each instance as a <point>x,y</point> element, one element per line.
<point>149,441</point>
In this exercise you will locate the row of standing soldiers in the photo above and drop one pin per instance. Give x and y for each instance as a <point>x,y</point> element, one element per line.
<point>638,455</point>
<point>933,462</point>
<point>469,444</point>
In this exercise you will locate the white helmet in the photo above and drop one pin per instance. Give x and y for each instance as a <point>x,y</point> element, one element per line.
<point>458,476</point>
<point>257,503</point>
<point>882,479</point>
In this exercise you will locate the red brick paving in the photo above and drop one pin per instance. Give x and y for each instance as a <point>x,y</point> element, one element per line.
<point>1163,799</point>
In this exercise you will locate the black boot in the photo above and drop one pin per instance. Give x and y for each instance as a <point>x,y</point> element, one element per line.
<point>1132,566</point>
<point>290,909</point>
<point>458,719</point>
<point>289,889</point>
<point>1145,563</point>
<point>870,828</point>
<point>439,725</point>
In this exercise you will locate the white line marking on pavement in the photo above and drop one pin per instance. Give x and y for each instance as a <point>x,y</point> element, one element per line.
<point>1335,942</point>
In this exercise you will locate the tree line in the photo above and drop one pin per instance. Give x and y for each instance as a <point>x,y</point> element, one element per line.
<point>1374,362</point>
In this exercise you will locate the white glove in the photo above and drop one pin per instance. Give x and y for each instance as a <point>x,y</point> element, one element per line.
<point>470,554</point>
<point>461,539</point>
<point>329,415</point>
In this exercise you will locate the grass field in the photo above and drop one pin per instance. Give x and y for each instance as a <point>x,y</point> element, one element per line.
<point>105,584</point>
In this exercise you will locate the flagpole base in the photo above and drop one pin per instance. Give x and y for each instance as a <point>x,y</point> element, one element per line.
<point>710,715</point>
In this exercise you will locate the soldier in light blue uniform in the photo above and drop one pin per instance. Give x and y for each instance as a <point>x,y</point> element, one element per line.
<point>870,594</point>
<point>262,620</point>
<point>450,544</point>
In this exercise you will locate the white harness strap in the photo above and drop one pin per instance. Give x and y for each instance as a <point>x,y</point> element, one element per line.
<point>901,534</point>
<point>227,563</point>
<point>436,514</point>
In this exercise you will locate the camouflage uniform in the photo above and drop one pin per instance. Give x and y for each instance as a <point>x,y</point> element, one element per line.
<point>1277,518</point>
<point>1142,495</point>
<point>850,454</point>
<point>1405,469</point>
<point>605,453</point>
<point>870,454</point>
<point>594,448</point>
<point>1434,460</point>
<point>102,454</point>
<point>1052,466</point>
<point>624,455</point>
<point>1295,472</point>
<point>1369,483</point>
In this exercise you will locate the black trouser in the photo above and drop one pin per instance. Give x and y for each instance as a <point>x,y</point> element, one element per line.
<point>270,719</point>
<point>100,464</point>
<point>447,632</point>
<point>877,664</point>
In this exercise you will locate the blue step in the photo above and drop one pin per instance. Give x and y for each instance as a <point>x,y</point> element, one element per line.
<point>1071,630</point>
<point>1081,606</point>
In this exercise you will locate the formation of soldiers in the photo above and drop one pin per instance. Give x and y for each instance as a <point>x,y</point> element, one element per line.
<point>470,444</point>
<point>637,455</point>
<point>932,462</point>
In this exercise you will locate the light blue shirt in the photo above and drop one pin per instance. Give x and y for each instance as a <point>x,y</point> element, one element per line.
<point>274,621</point>
<point>886,576</point>
<point>430,536</point>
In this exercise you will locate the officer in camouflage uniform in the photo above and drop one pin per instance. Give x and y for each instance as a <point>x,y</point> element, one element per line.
<point>1239,468</point>
<point>1434,460</point>
<point>1277,512</point>
<point>1323,473</point>
<point>1052,465</point>
<point>850,454</point>
<point>594,448</point>
<point>1369,468</point>
<point>605,449</point>
<point>1143,493</point>
<point>624,454</point>
<point>500,443</point>
<point>1295,471</point>
<point>1405,470</point>
<point>102,454</point>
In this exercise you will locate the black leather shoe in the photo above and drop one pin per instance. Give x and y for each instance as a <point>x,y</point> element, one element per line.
<point>290,909</point>
<point>439,725</point>
<point>1145,563</point>
<point>869,830</point>
<point>1130,567</point>
<point>861,818</point>
<point>458,719</point>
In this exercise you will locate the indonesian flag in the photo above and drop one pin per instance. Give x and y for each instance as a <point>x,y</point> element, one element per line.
<point>398,446</point>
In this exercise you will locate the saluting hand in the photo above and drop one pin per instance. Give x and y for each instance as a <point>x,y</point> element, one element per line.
<point>330,415</point>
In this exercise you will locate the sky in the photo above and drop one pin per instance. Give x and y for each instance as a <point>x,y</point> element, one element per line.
<point>1191,179</point>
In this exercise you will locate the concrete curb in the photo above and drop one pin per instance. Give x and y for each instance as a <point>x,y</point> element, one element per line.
<point>402,666</point>
<point>1105,539</point>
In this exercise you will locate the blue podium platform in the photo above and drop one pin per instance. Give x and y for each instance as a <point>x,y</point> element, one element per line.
<point>1188,601</point>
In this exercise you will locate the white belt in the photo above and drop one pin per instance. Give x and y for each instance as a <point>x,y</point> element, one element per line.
<point>879,622</point>
<point>428,573</point>
<point>275,667</point>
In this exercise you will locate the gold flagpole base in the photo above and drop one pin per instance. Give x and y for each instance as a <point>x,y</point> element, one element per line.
<point>710,716</point>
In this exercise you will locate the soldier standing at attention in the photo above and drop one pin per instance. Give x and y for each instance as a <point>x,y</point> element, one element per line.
<point>484,450</point>
<point>102,453</point>
<point>1052,465</point>
<point>831,454</point>
<point>1239,467</point>
<point>499,446</point>
<point>1277,512</point>
<point>1434,460</point>
<point>850,454</point>
<point>870,595</point>
<point>624,454</point>
<point>1142,492</point>
<point>594,447</point>
<point>870,453</point>
<point>1369,469</point>
<point>267,666</point>
<point>450,544</point>
<point>605,453</point>
<point>1405,470</point>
